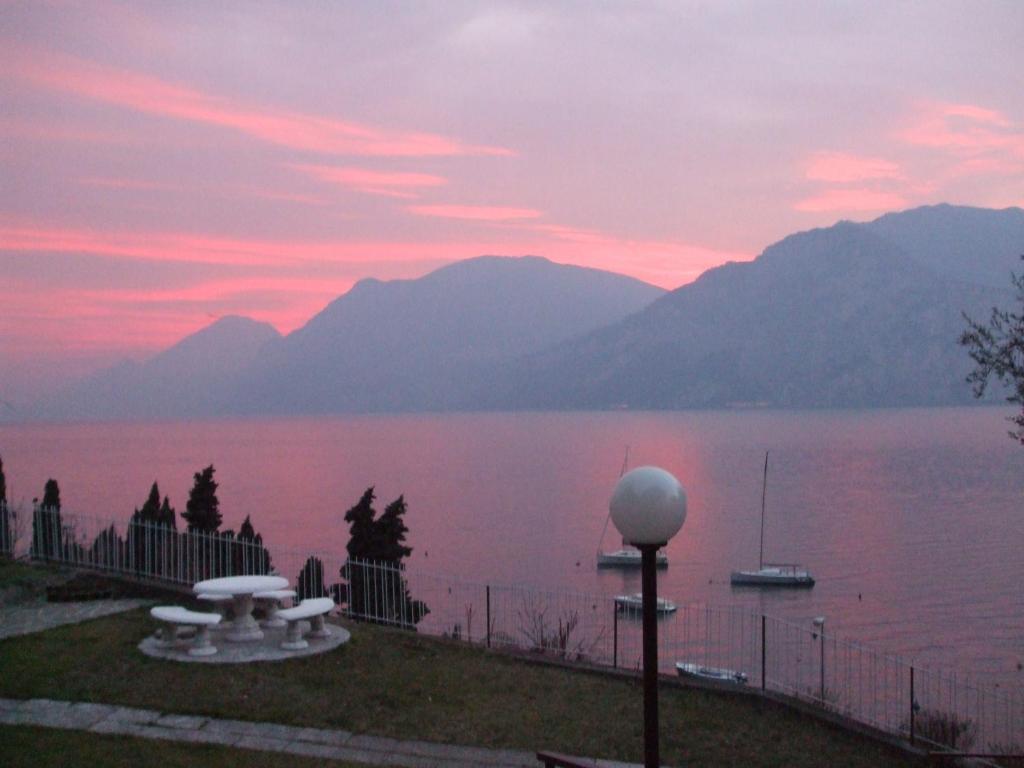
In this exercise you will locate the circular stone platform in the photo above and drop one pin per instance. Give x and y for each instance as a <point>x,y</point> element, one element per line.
<point>228,652</point>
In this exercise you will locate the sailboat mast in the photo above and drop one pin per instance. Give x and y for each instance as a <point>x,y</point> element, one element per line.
<point>764,488</point>
<point>625,463</point>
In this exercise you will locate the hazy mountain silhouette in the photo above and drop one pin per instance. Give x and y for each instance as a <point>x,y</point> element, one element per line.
<point>976,245</point>
<point>853,315</point>
<point>420,344</point>
<point>192,378</point>
<point>832,317</point>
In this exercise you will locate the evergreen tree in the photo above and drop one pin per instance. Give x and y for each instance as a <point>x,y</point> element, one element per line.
<point>150,512</point>
<point>250,555</point>
<point>6,541</point>
<point>311,579</point>
<point>47,526</point>
<point>150,549</point>
<point>391,530</point>
<point>361,529</point>
<point>202,512</point>
<point>51,495</point>
<point>377,590</point>
<point>166,516</point>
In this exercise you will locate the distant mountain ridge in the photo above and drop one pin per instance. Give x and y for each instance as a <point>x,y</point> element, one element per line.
<point>192,378</point>
<point>834,317</point>
<point>852,315</point>
<point>417,344</point>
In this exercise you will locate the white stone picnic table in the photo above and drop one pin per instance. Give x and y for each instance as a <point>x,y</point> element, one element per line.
<point>241,588</point>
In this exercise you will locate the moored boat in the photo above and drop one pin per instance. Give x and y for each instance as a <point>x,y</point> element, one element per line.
<point>771,574</point>
<point>627,557</point>
<point>635,603</point>
<point>717,674</point>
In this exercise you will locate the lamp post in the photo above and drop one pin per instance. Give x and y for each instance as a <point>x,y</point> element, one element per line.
<point>819,625</point>
<point>648,507</point>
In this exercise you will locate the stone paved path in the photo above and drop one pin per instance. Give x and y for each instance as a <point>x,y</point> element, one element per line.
<point>35,617</point>
<point>315,742</point>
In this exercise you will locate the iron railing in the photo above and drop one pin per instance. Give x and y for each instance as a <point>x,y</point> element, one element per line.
<point>935,708</point>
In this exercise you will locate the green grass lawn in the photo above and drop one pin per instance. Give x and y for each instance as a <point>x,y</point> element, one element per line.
<point>27,747</point>
<point>393,683</point>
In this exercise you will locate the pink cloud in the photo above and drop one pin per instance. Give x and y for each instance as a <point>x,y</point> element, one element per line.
<point>207,249</point>
<point>851,200</point>
<point>389,183</point>
<point>964,129</point>
<point>475,212</point>
<point>843,168</point>
<point>296,130</point>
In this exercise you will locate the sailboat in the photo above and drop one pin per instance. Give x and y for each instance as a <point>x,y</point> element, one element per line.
<point>771,574</point>
<point>627,557</point>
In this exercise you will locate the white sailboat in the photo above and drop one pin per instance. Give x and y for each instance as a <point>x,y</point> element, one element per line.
<point>627,557</point>
<point>771,574</point>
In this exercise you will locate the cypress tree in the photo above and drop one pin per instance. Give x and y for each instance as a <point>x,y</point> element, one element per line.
<point>361,526</point>
<point>391,532</point>
<point>202,512</point>
<point>6,542</point>
<point>166,514</point>
<point>51,495</point>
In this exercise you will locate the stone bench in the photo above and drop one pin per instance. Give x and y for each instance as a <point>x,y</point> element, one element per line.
<point>177,616</point>
<point>313,609</point>
<point>271,601</point>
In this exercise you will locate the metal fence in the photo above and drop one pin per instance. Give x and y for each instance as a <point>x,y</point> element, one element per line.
<point>932,707</point>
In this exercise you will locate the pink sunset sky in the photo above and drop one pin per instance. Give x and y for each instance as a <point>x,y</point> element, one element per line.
<point>164,164</point>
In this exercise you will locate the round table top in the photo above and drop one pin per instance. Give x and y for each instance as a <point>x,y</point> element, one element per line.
<point>240,585</point>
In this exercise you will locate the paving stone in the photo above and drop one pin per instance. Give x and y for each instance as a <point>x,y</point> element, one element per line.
<point>374,743</point>
<point>185,722</point>
<point>323,736</point>
<point>276,731</point>
<point>263,743</point>
<point>428,749</point>
<point>25,620</point>
<point>204,737</point>
<point>83,715</point>
<point>272,737</point>
<point>235,727</point>
<point>133,715</point>
<point>44,706</point>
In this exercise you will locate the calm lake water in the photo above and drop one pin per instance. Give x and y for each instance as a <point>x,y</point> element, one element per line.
<point>912,521</point>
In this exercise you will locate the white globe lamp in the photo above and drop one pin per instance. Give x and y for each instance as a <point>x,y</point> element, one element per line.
<point>648,507</point>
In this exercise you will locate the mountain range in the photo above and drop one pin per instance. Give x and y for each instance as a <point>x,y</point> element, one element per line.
<point>853,315</point>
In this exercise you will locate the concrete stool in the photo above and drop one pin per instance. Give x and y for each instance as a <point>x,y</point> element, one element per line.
<point>315,609</point>
<point>177,616</point>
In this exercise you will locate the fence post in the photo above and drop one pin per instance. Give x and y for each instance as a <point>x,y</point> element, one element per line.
<point>764,635</point>
<point>488,615</point>
<point>912,734</point>
<point>615,634</point>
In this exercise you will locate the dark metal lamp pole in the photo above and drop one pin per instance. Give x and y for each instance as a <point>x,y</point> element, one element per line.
<point>649,582</point>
